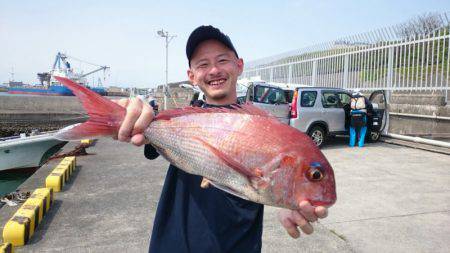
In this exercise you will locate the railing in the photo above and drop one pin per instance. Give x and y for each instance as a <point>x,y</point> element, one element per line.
<point>393,58</point>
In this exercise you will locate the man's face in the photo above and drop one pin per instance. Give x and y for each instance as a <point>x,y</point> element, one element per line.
<point>215,69</point>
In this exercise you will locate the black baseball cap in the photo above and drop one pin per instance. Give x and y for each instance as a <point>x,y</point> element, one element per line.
<point>206,32</point>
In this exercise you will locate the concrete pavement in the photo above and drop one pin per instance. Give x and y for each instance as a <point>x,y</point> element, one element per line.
<point>390,199</point>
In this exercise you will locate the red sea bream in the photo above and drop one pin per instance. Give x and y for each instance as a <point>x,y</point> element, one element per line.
<point>240,149</point>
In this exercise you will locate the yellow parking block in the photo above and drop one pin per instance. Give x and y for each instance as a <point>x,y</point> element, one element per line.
<point>68,164</point>
<point>39,203</point>
<point>87,141</point>
<point>16,231</point>
<point>6,248</point>
<point>55,181</point>
<point>46,194</point>
<point>73,159</point>
<point>31,212</point>
<point>63,169</point>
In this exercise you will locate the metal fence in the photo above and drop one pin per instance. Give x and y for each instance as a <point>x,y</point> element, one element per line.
<point>396,58</point>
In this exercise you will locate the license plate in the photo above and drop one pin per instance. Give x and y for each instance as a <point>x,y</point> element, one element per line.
<point>375,123</point>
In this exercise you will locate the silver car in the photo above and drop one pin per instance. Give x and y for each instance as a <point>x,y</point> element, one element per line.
<point>322,112</point>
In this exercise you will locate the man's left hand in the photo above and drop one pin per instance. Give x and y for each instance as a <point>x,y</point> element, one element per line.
<point>292,219</point>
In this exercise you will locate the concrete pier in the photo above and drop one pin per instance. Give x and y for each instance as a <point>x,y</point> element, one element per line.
<point>20,114</point>
<point>390,199</point>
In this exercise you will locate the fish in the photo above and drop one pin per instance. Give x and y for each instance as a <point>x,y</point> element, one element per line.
<point>242,149</point>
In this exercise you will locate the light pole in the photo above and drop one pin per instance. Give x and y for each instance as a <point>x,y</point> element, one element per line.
<point>165,34</point>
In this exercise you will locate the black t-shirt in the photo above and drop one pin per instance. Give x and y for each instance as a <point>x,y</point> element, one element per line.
<point>192,219</point>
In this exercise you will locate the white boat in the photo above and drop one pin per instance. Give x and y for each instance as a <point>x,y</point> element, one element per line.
<point>28,151</point>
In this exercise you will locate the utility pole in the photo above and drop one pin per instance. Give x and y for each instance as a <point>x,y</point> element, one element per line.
<point>12,74</point>
<point>165,34</point>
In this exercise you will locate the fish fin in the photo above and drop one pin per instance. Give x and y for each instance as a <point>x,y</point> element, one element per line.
<point>247,108</point>
<point>227,190</point>
<point>229,161</point>
<point>105,116</point>
<point>259,183</point>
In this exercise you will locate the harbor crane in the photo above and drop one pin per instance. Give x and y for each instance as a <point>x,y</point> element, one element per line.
<point>62,67</point>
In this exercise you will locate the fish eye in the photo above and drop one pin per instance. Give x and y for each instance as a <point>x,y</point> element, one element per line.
<point>314,173</point>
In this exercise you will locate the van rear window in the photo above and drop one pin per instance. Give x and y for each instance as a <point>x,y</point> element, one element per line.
<point>308,98</point>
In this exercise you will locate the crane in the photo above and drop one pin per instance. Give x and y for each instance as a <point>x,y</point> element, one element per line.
<point>62,67</point>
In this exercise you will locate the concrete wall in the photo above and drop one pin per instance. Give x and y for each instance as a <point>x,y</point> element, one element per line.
<point>420,104</point>
<point>54,112</point>
<point>65,104</point>
<point>22,114</point>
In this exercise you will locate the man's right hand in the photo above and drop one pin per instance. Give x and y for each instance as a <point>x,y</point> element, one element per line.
<point>138,117</point>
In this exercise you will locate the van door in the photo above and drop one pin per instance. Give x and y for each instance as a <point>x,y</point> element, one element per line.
<point>332,111</point>
<point>272,100</point>
<point>344,103</point>
<point>377,120</point>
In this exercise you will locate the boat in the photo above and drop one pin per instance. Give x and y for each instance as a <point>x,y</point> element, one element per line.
<point>19,152</point>
<point>51,87</point>
<point>53,90</point>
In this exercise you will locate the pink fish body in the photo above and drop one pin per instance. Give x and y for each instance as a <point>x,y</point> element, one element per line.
<point>242,149</point>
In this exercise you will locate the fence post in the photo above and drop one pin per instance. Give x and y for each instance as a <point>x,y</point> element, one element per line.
<point>344,84</point>
<point>390,69</point>
<point>290,74</point>
<point>390,75</point>
<point>271,75</point>
<point>314,73</point>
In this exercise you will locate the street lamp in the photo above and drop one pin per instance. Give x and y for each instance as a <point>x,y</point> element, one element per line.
<point>165,34</point>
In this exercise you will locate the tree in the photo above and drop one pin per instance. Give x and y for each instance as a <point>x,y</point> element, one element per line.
<point>421,25</point>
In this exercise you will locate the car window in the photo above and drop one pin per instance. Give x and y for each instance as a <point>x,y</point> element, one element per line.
<point>344,99</point>
<point>241,99</point>
<point>308,98</point>
<point>269,95</point>
<point>330,100</point>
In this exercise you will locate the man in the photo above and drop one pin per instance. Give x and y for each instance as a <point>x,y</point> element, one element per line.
<point>194,219</point>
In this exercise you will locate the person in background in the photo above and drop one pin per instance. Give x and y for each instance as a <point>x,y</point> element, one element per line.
<point>360,108</point>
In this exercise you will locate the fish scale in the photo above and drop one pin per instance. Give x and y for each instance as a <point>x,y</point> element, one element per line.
<point>194,157</point>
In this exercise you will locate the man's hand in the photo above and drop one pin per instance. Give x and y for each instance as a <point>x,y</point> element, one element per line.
<point>292,219</point>
<point>205,183</point>
<point>138,118</point>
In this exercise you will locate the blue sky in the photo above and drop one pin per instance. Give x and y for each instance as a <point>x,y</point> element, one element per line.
<point>122,34</point>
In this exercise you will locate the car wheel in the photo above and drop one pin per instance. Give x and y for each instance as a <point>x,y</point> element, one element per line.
<point>373,136</point>
<point>317,135</point>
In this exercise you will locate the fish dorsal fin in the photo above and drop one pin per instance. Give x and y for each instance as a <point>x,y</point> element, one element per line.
<point>247,108</point>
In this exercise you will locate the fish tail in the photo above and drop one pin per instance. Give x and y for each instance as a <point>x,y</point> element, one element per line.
<point>105,116</point>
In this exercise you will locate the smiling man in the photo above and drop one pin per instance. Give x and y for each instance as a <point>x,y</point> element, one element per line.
<point>191,218</point>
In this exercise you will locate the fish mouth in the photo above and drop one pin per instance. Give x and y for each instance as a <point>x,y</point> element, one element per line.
<point>325,203</point>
